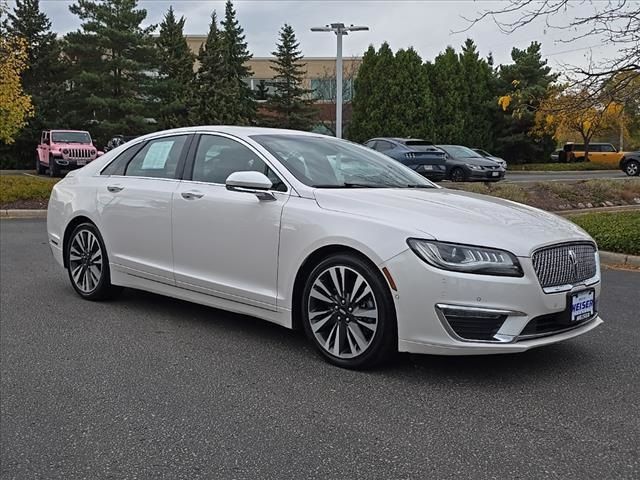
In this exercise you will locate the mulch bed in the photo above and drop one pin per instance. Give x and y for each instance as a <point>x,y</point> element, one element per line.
<point>25,205</point>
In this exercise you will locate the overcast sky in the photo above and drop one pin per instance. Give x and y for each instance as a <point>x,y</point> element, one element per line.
<point>425,25</point>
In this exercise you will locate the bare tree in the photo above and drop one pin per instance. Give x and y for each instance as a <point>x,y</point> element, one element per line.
<point>326,94</point>
<point>613,22</point>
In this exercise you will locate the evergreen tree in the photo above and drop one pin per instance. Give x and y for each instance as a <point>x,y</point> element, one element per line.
<point>43,80</point>
<point>480,100</point>
<point>113,59</point>
<point>210,90</point>
<point>262,91</point>
<point>242,110</point>
<point>175,69</point>
<point>290,106</point>
<point>448,87</point>
<point>362,125</point>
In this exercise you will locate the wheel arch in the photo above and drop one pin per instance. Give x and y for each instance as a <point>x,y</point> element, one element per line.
<point>67,234</point>
<point>310,262</point>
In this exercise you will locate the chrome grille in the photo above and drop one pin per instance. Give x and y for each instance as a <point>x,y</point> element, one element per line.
<point>79,153</point>
<point>565,264</point>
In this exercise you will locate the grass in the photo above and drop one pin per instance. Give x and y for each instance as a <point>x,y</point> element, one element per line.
<point>563,167</point>
<point>614,232</point>
<point>22,187</point>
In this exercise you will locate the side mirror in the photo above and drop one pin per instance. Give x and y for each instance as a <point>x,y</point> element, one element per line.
<point>250,182</point>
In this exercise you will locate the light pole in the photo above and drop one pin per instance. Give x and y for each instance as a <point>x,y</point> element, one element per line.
<point>339,29</point>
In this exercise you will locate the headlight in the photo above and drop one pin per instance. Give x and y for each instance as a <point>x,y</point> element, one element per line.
<point>474,167</point>
<point>65,151</point>
<point>466,258</point>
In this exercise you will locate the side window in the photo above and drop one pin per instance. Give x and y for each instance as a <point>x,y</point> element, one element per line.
<point>596,148</point>
<point>118,166</point>
<point>607,148</point>
<point>218,157</point>
<point>157,159</point>
<point>371,144</point>
<point>383,146</point>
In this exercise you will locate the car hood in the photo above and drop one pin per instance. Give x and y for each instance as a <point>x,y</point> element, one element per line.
<point>455,216</point>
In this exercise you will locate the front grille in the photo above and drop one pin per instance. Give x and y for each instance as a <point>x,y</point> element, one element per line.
<point>565,264</point>
<point>79,153</point>
<point>549,324</point>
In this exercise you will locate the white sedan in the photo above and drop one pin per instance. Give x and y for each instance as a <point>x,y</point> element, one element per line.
<point>310,231</point>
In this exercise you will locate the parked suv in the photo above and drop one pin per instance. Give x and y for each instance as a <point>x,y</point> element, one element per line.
<point>630,163</point>
<point>419,155</point>
<point>598,152</point>
<point>64,149</point>
<point>463,165</point>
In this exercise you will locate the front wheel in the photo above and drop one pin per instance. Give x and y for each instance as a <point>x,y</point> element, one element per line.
<point>348,312</point>
<point>458,175</point>
<point>632,168</point>
<point>53,167</point>
<point>88,264</point>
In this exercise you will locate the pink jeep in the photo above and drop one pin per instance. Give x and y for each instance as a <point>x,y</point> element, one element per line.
<point>64,149</point>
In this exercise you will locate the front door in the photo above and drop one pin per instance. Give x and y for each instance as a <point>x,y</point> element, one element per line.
<point>225,242</point>
<point>136,200</point>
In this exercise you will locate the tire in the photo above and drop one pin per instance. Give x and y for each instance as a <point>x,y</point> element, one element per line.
<point>458,175</point>
<point>632,168</point>
<point>88,264</point>
<point>40,169</point>
<point>53,167</point>
<point>341,337</point>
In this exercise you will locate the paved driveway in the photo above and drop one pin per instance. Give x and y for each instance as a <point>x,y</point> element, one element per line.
<point>149,387</point>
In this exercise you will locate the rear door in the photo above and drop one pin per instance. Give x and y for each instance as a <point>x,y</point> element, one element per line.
<point>136,203</point>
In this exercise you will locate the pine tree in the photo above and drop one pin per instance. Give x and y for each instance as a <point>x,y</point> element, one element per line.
<point>242,110</point>
<point>448,86</point>
<point>210,88</point>
<point>43,80</point>
<point>175,69</point>
<point>113,59</point>
<point>479,103</point>
<point>290,106</point>
<point>362,126</point>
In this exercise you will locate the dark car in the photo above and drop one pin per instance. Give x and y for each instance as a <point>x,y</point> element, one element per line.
<point>630,163</point>
<point>419,155</point>
<point>500,161</point>
<point>464,165</point>
<point>118,140</point>
<point>555,156</point>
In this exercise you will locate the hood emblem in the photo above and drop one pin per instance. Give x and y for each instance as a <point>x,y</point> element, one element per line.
<point>573,258</point>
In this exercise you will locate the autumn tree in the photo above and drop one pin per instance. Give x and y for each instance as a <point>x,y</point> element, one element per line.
<point>15,105</point>
<point>565,115</point>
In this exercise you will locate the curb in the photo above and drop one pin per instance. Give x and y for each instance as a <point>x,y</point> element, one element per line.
<point>23,213</point>
<point>562,172</point>
<point>611,258</point>
<point>584,211</point>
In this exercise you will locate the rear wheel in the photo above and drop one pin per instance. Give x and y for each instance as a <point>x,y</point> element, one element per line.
<point>632,168</point>
<point>458,175</point>
<point>88,264</point>
<point>348,312</point>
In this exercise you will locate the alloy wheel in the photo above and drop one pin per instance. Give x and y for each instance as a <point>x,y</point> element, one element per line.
<point>342,312</point>
<point>85,261</point>
<point>632,169</point>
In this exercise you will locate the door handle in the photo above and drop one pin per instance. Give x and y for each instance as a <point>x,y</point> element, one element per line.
<point>115,188</point>
<point>191,195</point>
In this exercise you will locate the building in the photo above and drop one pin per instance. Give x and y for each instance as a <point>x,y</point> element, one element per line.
<point>320,78</point>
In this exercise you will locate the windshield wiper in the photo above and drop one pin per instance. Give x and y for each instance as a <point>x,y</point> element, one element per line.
<point>418,185</point>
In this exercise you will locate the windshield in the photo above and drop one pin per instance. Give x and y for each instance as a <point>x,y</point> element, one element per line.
<point>70,137</point>
<point>460,151</point>
<point>325,162</point>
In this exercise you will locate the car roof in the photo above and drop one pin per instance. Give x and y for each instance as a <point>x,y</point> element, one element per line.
<point>235,131</point>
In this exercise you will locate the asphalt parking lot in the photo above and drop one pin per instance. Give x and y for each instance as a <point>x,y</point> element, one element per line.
<point>149,387</point>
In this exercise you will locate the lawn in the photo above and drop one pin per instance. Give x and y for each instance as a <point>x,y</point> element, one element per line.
<point>22,191</point>
<point>614,232</point>
<point>563,167</point>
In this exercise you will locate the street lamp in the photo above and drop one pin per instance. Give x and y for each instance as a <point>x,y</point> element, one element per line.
<point>339,29</point>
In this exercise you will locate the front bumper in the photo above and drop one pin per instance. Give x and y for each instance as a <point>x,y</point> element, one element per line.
<point>486,175</point>
<point>72,163</point>
<point>423,292</point>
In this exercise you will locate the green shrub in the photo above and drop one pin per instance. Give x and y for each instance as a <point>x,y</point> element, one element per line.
<point>614,232</point>
<point>23,187</point>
